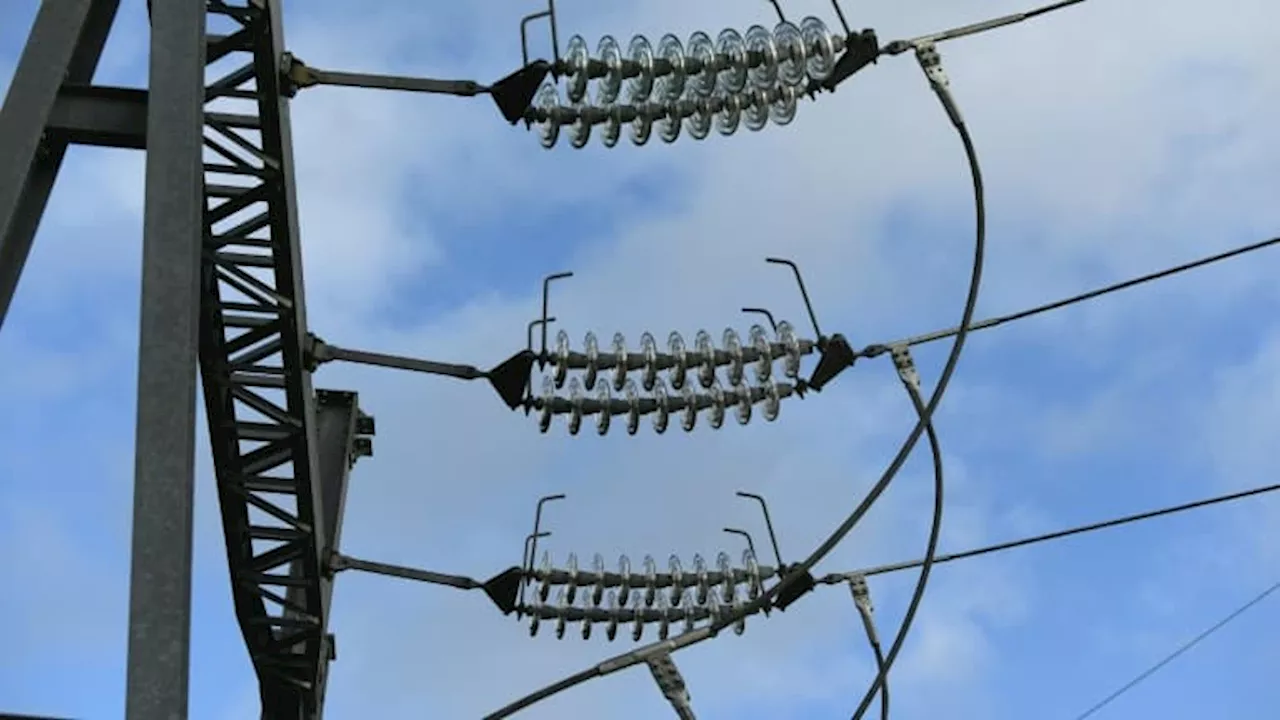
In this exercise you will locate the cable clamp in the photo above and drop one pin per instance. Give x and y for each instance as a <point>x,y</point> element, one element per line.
<point>931,62</point>
<point>905,366</point>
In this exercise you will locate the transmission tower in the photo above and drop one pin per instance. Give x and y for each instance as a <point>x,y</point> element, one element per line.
<point>222,290</point>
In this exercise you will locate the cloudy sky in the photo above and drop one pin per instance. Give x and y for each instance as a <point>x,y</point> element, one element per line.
<point>1116,138</point>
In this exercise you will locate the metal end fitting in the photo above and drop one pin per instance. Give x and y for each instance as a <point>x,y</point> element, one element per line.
<point>905,366</point>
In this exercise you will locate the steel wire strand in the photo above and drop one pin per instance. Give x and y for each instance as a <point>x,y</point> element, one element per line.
<point>1056,534</point>
<point>1180,651</point>
<point>885,662</point>
<point>991,322</point>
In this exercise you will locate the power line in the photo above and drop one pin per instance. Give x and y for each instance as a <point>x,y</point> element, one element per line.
<point>1078,530</point>
<point>1184,648</point>
<point>1090,295</point>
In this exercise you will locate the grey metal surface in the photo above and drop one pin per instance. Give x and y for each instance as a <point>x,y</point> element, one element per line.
<point>65,44</point>
<point>102,116</point>
<point>338,424</point>
<point>164,480</point>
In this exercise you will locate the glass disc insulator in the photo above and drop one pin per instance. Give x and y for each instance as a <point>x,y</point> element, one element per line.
<point>662,414</point>
<point>792,53</point>
<point>772,402</point>
<point>756,115</point>
<point>633,407</point>
<point>730,115</point>
<point>544,590</point>
<point>562,358</point>
<point>671,86</point>
<point>664,618</point>
<point>783,108</point>
<point>704,585</point>
<point>725,566</point>
<point>611,128</point>
<point>548,398</point>
<point>611,629</point>
<point>562,607</point>
<point>580,130</point>
<point>687,597</point>
<point>742,408</point>
<point>591,347</point>
<point>597,569</point>
<point>575,406</point>
<point>733,348</point>
<point>620,361</point>
<point>820,48</point>
<point>689,415</point>
<point>672,119</point>
<point>753,574</point>
<point>571,567</point>
<point>576,58</point>
<point>739,625</point>
<point>548,101</point>
<point>675,346</point>
<point>676,571</point>
<point>650,580</point>
<point>764,353</point>
<point>699,121</point>
<point>791,344</point>
<point>763,74</point>
<point>642,125</point>
<point>716,417</point>
<point>706,358</point>
<point>639,87</point>
<point>624,574</point>
<point>733,78</point>
<point>609,85</point>
<point>702,72</point>
<point>649,349</point>
<point>605,398</point>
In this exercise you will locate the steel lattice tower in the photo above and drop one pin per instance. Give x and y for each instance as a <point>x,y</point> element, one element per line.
<point>222,291</point>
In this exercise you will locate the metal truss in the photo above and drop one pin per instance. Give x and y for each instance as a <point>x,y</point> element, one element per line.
<point>281,496</point>
<point>281,451</point>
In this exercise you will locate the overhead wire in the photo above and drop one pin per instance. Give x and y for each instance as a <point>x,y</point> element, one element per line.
<point>910,381</point>
<point>862,601</point>
<point>1055,535</point>
<point>1177,653</point>
<point>1082,297</point>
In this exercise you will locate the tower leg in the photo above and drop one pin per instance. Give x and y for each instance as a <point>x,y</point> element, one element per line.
<point>164,475</point>
<point>65,44</point>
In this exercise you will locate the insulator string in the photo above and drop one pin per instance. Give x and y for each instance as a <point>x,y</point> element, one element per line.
<point>643,599</point>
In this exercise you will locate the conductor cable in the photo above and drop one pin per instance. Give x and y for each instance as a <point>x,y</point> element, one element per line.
<point>937,80</point>
<point>862,601</point>
<point>911,381</point>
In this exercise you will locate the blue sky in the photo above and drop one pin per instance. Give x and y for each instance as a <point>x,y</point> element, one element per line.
<point>427,224</point>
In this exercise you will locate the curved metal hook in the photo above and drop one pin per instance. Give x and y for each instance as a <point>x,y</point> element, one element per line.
<point>550,14</point>
<point>751,545</point>
<point>546,299</point>
<point>768,522</point>
<point>528,336</point>
<point>768,315</point>
<point>531,540</point>
<point>803,293</point>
